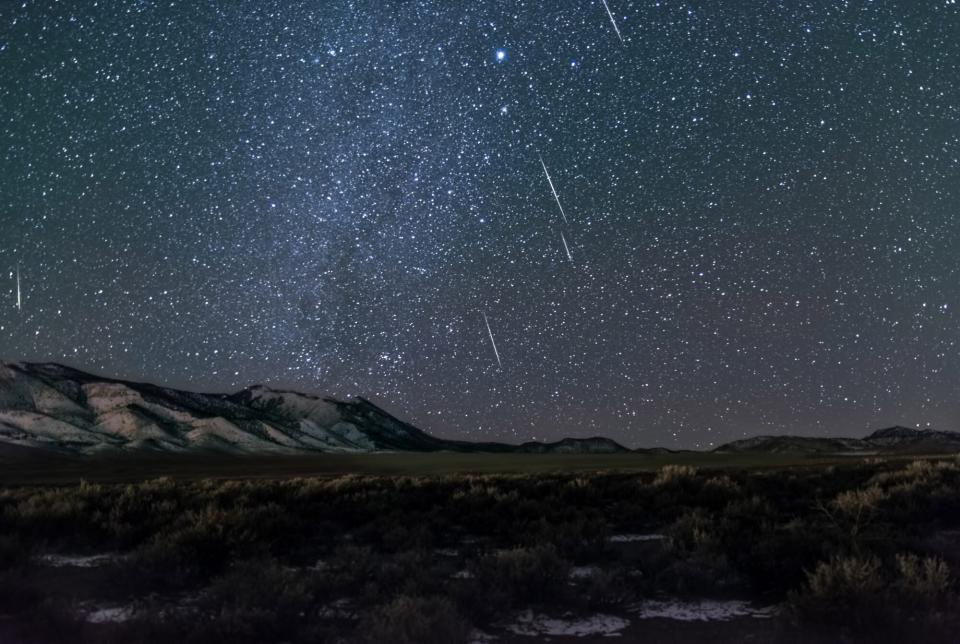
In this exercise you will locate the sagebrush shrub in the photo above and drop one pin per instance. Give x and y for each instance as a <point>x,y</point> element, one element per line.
<point>846,591</point>
<point>846,576</point>
<point>924,580</point>
<point>415,620</point>
<point>674,474</point>
<point>524,574</point>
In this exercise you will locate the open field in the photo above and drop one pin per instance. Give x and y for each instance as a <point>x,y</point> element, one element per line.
<point>35,467</point>
<point>480,548</point>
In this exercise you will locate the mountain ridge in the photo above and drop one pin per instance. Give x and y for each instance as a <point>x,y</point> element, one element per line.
<point>897,438</point>
<point>65,410</point>
<point>59,408</point>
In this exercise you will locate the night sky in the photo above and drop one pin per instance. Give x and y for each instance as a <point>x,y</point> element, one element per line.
<point>762,205</point>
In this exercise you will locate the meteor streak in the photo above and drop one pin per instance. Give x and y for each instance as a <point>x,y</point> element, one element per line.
<point>19,301</point>
<point>494,344</point>
<point>553,190</point>
<point>612,21</point>
<point>565,247</point>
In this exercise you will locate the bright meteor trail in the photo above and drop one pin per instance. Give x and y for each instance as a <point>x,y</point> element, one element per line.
<point>490,333</point>
<point>553,190</point>
<point>565,247</point>
<point>612,21</point>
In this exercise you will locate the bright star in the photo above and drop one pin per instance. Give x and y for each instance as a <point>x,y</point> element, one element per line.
<point>501,55</point>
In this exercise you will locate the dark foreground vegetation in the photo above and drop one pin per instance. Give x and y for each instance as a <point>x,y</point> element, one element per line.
<point>864,551</point>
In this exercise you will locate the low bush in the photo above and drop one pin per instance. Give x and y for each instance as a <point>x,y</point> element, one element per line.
<point>674,474</point>
<point>922,582</point>
<point>260,601</point>
<point>515,577</point>
<point>862,595</point>
<point>843,590</point>
<point>414,620</point>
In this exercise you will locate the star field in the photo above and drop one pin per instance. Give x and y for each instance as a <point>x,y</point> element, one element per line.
<point>761,205</point>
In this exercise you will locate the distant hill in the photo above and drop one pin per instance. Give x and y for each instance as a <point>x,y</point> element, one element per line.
<point>68,411</point>
<point>595,445</point>
<point>892,439</point>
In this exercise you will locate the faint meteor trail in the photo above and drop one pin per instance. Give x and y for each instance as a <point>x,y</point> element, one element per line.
<point>490,333</point>
<point>19,301</point>
<point>553,190</point>
<point>565,247</point>
<point>612,21</point>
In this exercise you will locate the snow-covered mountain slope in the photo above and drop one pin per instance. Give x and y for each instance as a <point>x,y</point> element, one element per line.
<point>56,407</point>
